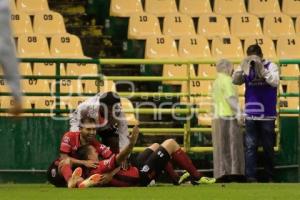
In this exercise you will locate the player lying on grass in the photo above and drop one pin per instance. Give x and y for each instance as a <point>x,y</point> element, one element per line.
<point>149,165</point>
<point>60,171</point>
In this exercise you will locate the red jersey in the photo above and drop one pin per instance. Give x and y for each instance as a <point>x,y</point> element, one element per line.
<point>126,178</point>
<point>70,142</point>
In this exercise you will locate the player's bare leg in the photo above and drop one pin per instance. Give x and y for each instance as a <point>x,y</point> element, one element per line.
<point>76,178</point>
<point>90,181</point>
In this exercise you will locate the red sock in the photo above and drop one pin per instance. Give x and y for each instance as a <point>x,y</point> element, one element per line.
<point>171,172</point>
<point>183,161</point>
<point>66,171</point>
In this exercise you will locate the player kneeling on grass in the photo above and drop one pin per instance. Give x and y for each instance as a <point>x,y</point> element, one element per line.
<point>149,165</point>
<point>60,172</point>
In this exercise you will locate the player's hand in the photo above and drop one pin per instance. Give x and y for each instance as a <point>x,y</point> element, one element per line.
<point>105,178</point>
<point>134,135</point>
<point>90,164</point>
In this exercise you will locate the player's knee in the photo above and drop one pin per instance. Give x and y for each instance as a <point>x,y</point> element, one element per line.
<point>170,142</point>
<point>66,161</point>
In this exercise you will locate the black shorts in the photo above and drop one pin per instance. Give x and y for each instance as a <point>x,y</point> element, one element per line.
<point>109,138</point>
<point>151,164</point>
<point>54,177</point>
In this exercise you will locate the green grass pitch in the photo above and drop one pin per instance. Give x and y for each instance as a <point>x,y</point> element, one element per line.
<point>161,192</point>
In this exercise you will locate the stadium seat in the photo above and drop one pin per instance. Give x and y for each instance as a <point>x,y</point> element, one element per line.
<point>44,69</point>
<point>121,8</point>
<point>48,23</point>
<point>130,117</point>
<point>298,25</point>
<point>32,6</point>
<point>176,71</point>
<point>71,86</point>
<point>289,70</point>
<point>227,47</point>
<point>40,102</point>
<point>288,47</point>
<point>289,86</point>
<point>289,103</point>
<point>241,90</point>
<point>197,89</point>
<point>212,25</point>
<point>264,42</point>
<point>25,69</point>
<point>229,7</point>
<point>81,69</point>
<point>207,71</point>
<point>95,86</point>
<point>178,25</point>
<point>33,45</point>
<point>71,103</point>
<point>12,5</point>
<point>291,7</point>
<point>262,8</point>
<point>160,8</point>
<point>38,85</point>
<point>66,46</point>
<point>205,104</point>
<point>278,25</point>
<point>195,8</point>
<point>160,47</point>
<point>194,46</point>
<point>244,25</point>
<point>143,25</point>
<point>20,23</point>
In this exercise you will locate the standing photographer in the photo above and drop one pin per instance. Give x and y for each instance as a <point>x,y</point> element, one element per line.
<point>261,78</point>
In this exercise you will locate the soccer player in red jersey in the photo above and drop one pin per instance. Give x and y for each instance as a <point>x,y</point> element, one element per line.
<point>150,164</point>
<point>60,171</point>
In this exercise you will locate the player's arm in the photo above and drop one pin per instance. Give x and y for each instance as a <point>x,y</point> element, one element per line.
<point>107,177</point>
<point>74,161</point>
<point>122,156</point>
<point>271,75</point>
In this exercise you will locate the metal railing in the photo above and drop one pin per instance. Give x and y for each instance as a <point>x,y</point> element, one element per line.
<point>186,130</point>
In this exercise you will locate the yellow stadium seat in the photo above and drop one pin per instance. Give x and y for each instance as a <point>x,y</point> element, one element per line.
<point>95,86</point>
<point>291,7</point>
<point>44,69</point>
<point>197,89</point>
<point>143,25</point>
<point>244,25</point>
<point>38,85</point>
<point>32,46</point>
<point>20,23</point>
<point>7,102</point>
<point>177,71</point>
<point>207,71</point>
<point>288,47</point>
<point>71,86</point>
<point>212,25</point>
<point>121,8</point>
<point>298,25</point>
<point>81,69</point>
<point>66,45</point>
<point>25,69</point>
<point>263,8</point>
<point>195,8</point>
<point>71,103</point>
<point>227,47</point>
<point>4,86</point>
<point>32,6</point>
<point>178,25</point>
<point>160,7</point>
<point>278,25</point>
<point>160,47</point>
<point>12,5</point>
<point>40,102</point>
<point>205,104</point>
<point>289,86</point>
<point>194,46</point>
<point>289,70</point>
<point>264,42</point>
<point>130,117</point>
<point>289,103</point>
<point>49,23</point>
<point>229,7</point>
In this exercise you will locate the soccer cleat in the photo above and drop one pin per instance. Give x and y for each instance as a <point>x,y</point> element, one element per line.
<point>183,177</point>
<point>76,175</point>
<point>90,181</point>
<point>206,180</point>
